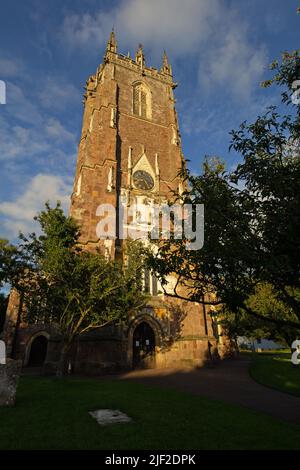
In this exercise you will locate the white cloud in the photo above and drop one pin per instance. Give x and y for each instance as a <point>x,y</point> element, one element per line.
<point>234,64</point>
<point>84,30</point>
<point>55,130</point>
<point>28,143</point>
<point>173,24</point>
<point>56,93</point>
<point>209,31</point>
<point>21,105</point>
<point>170,24</point>
<point>18,214</point>
<point>18,142</point>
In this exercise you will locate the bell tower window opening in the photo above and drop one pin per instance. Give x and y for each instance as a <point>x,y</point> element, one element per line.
<point>141,101</point>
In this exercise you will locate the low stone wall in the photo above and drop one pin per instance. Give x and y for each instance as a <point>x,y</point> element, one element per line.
<point>9,376</point>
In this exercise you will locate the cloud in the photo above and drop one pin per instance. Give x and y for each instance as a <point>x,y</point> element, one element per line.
<point>214,123</point>
<point>10,67</point>
<point>32,137</point>
<point>26,103</point>
<point>27,143</point>
<point>57,93</point>
<point>234,64</point>
<point>20,142</point>
<point>170,24</point>
<point>178,26</point>
<point>30,134</point>
<point>209,32</point>
<point>18,214</point>
<point>84,30</point>
<point>21,105</point>
<point>55,130</point>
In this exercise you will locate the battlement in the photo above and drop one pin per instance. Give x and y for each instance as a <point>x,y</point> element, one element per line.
<point>129,62</point>
<point>137,65</point>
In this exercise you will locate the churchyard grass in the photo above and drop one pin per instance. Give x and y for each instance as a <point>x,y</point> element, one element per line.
<point>53,414</point>
<point>274,369</point>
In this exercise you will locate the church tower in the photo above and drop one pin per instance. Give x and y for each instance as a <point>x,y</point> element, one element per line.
<point>130,148</point>
<point>130,143</point>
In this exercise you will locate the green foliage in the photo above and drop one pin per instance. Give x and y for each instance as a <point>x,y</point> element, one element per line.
<point>266,303</point>
<point>69,288</point>
<point>286,72</point>
<point>11,264</point>
<point>252,218</point>
<point>77,290</point>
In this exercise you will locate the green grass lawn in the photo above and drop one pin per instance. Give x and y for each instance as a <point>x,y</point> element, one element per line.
<point>53,414</point>
<point>275,370</point>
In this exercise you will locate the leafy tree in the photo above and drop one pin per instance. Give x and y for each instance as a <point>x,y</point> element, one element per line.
<point>265,302</point>
<point>11,264</point>
<point>74,290</point>
<point>252,217</point>
<point>270,173</point>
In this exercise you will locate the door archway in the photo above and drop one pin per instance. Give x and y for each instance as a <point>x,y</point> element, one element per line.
<point>38,351</point>
<point>143,346</point>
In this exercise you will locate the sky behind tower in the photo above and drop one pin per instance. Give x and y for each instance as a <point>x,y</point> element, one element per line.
<point>219,50</point>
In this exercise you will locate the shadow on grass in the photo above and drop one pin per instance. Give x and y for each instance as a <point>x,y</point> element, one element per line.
<point>170,410</point>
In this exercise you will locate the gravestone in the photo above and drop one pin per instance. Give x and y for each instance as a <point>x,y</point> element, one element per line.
<point>9,376</point>
<point>104,417</point>
<point>2,352</point>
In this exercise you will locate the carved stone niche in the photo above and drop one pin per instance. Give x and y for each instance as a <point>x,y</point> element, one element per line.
<point>9,377</point>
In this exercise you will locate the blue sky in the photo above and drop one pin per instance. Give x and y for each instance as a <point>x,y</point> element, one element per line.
<point>219,49</point>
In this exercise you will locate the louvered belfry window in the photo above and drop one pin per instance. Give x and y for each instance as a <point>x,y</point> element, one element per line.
<point>136,100</point>
<point>141,102</point>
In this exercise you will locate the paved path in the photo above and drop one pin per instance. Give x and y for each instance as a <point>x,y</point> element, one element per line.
<point>229,381</point>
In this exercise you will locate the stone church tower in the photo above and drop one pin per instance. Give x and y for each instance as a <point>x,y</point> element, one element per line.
<point>130,142</point>
<point>130,150</point>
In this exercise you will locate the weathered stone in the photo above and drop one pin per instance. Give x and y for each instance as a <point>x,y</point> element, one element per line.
<point>9,376</point>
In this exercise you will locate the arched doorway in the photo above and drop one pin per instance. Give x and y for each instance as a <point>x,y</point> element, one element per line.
<point>38,351</point>
<point>143,346</point>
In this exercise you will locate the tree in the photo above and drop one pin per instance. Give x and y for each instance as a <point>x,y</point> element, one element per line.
<point>71,289</point>
<point>265,302</point>
<point>12,265</point>
<point>252,217</point>
<point>270,172</point>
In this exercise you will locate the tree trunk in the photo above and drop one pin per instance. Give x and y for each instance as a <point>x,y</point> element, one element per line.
<point>62,365</point>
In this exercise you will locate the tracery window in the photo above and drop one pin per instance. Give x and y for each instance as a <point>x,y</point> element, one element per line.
<point>141,101</point>
<point>150,283</point>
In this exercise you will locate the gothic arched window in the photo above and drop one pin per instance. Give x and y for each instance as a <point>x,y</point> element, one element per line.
<point>141,101</point>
